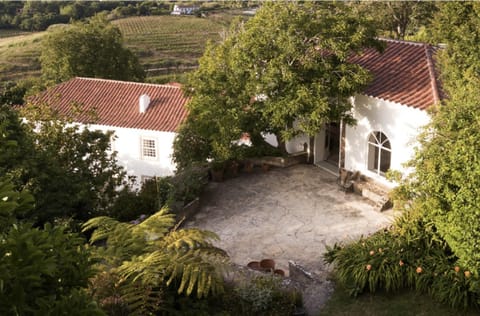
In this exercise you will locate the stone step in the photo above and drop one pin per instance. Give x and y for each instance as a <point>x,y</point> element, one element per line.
<point>378,197</point>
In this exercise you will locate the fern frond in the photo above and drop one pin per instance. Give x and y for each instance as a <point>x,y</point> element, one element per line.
<point>156,226</point>
<point>149,253</point>
<point>188,238</point>
<point>199,269</point>
<point>141,299</point>
<point>148,269</point>
<point>104,226</point>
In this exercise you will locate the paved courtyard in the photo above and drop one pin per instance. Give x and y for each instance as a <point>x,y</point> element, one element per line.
<point>285,214</point>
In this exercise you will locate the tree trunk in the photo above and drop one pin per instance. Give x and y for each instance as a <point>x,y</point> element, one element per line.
<point>282,146</point>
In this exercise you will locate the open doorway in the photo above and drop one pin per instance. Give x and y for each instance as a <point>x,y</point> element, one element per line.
<point>332,143</point>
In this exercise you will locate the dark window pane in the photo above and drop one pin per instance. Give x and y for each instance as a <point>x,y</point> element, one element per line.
<point>385,158</point>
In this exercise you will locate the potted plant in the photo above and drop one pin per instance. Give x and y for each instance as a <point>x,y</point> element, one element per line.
<point>217,171</point>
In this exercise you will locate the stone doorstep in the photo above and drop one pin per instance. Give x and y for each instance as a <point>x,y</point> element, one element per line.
<point>375,193</point>
<point>366,187</point>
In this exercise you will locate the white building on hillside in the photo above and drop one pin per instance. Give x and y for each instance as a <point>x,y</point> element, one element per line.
<point>143,116</point>
<point>184,9</point>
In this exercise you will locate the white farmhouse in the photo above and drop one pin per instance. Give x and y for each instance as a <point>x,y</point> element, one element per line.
<point>184,9</point>
<point>389,113</point>
<point>143,116</point>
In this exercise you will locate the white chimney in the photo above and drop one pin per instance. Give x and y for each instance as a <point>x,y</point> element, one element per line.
<point>144,102</point>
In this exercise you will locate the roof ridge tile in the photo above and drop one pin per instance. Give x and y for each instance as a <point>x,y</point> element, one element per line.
<point>128,82</point>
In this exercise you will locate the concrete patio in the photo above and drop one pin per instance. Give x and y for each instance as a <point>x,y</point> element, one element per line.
<point>285,214</point>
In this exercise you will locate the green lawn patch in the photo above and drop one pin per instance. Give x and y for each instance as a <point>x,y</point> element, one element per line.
<point>404,303</point>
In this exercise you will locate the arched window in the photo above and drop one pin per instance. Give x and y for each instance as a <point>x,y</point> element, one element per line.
<point>379,153</point>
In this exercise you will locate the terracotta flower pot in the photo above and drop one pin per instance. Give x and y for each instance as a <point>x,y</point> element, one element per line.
<point>254,265</point>
<point>267,265</point>
<point>233,169</point>
<point>217,175</point>
<point>248,166</point>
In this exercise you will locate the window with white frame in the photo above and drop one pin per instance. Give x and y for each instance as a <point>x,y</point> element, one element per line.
<point>149,148</point>
<point>379,153</point>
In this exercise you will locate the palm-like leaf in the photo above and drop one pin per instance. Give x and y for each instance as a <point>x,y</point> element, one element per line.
<point>151,255</point>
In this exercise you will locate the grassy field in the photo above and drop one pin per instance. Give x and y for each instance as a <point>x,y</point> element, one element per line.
<point>19,55</point>
<point>167,46</point>
<point>407,303</point>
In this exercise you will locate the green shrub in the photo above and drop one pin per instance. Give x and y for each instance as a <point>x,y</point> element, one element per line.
<point>158,192</point>
<point>152,196</point>
<point>260,295</point>
<point>40,268</point>
<point>189,183</point>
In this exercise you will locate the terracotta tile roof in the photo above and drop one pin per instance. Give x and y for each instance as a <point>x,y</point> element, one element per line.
<point>405,73</point>
<point>116,103</point>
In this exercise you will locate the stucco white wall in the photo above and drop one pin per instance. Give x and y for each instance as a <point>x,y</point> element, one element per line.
<point>400,123</point>
<point>127,144</point>
<point>293,145</point>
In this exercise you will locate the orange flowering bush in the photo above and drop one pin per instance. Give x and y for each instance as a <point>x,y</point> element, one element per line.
<point>403,260</point>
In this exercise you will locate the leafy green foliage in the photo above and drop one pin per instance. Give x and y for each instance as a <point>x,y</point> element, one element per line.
<point>445,185</point>
<point>176,191</point>
<point>151,255</point>
<point>92,49</point>
<point>456,25</point>
<point>39,267</point>
<point>13,204</point>
<point>15,142</point>
<point>286,64</point>
<point>398,19</point>
<point>446,189</point>
<point>42,271</point>
<point>131,204</point>
<point>69,171</point>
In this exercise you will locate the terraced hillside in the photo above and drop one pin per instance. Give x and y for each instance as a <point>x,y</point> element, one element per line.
<point>164,44</point>
<point>169,41</point>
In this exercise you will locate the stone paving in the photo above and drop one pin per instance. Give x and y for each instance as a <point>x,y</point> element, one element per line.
<point>285,214</point>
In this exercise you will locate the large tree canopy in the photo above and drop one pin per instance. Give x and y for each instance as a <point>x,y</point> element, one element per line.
<point>286,65</point>
<point>91,49</point>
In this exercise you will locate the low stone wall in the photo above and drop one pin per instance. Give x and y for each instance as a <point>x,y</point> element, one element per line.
<point>281,162</point>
